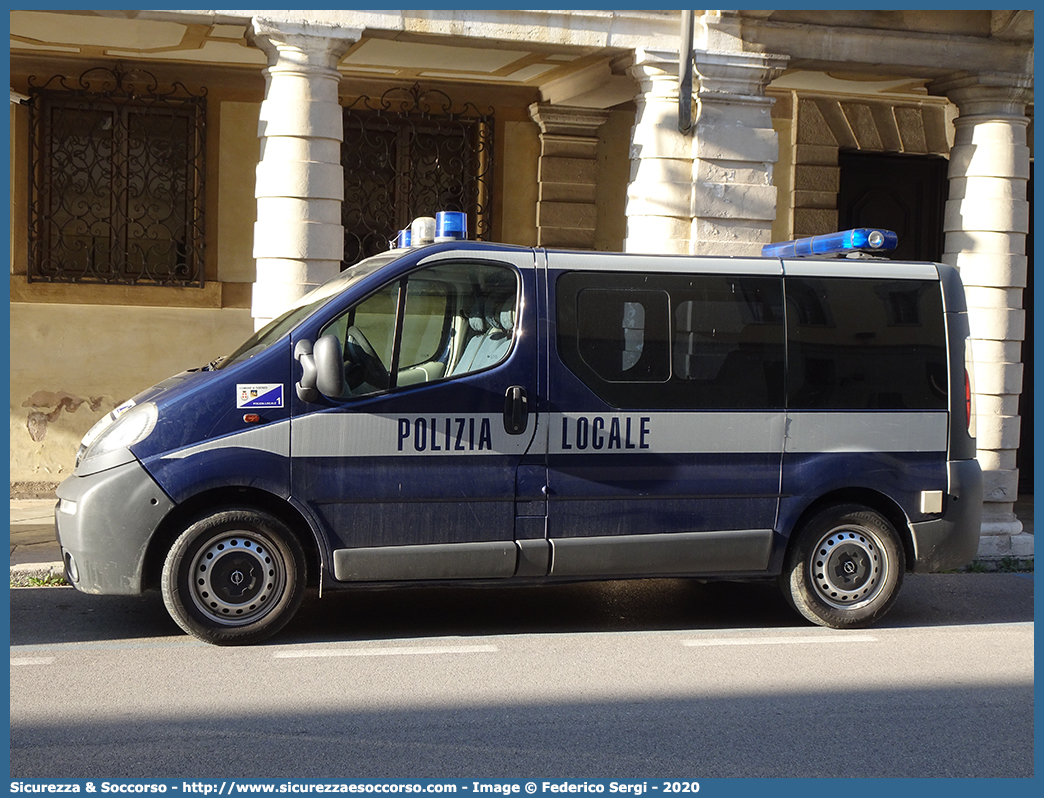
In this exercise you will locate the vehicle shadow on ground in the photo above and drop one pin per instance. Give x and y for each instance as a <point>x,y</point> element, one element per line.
<point>48,616</point>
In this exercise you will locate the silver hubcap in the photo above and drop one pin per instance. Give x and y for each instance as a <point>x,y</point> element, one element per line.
<point>848,567</point>
<point>236,578</point>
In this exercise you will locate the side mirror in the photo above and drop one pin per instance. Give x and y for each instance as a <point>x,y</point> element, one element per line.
<point>322,368</point>
<point>329,366</point>
<point>306,390</point>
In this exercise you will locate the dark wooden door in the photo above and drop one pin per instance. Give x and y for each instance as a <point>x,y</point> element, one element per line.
<point>902,193</point>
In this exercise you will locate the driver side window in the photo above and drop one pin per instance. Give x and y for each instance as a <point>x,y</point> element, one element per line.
<point>443,321</point>
<point>367,336</point>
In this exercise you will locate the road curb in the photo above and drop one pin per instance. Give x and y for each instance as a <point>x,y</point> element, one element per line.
<point>23,573</point>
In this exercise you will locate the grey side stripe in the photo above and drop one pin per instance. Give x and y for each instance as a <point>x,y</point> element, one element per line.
<point>431,434</point>
<point>882,431</point>
<point>272,438</point>
<point>440,434</point>
<point>664,433</point>
<point>747,433</point>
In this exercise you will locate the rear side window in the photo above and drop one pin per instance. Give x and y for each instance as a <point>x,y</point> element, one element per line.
<point>626,334</point>
<point>674,341</point>
<point>865,344</point>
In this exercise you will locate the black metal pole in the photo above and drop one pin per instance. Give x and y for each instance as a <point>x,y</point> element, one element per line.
<point>687,29</point>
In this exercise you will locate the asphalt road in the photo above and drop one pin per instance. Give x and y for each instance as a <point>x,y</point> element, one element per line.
<point>664,678</point>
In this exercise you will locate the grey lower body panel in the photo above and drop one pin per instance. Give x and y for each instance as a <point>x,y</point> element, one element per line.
<point>104,524</point>
<point>481,560</point>
<point>618,556</point>
<point>952,540</point>
<point>682,554</point>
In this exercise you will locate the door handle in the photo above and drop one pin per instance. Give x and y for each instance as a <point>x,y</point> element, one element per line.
<point>516,410</point>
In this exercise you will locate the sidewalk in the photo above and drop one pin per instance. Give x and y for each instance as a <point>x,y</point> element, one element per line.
<point>35,552</point>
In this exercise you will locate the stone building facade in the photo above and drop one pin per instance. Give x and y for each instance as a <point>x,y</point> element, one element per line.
<point>594,139</point>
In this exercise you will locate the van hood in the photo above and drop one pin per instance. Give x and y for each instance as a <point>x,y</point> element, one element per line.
<point>160,391</point>
<point>209,404</point>
<point>191,407</point>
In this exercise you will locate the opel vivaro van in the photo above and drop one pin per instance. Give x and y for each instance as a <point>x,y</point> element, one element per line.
<point>468,412</point>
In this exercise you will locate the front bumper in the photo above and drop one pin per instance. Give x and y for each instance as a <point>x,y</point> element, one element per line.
<point>104,523</point>
<point>951,541</point>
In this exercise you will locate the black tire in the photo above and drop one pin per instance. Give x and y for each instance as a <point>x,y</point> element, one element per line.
<point>234,577</point>
<point>845,567</point>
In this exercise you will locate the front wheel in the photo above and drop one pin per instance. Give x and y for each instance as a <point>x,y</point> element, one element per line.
<point>845,567</point>
<point>234,577</point>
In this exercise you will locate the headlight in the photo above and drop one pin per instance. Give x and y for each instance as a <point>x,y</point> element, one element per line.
<point>124,427</point>
<point>100,426</point>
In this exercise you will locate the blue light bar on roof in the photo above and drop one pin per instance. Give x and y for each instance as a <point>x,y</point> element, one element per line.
<point>451,226</point>
<point>863,239</point>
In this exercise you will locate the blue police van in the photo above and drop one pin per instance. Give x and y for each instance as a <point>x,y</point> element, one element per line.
<point>468,412</point>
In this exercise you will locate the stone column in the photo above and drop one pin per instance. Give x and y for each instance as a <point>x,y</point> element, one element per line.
<point>734,152</point>
<point>298,236</point>
<point>567,174</point>
<point>986,221</point>
<point>659,195</point>
<point>709,191</point>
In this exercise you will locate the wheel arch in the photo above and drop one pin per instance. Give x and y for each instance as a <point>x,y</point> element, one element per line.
<point>211,501</point>
<point>872,499</point>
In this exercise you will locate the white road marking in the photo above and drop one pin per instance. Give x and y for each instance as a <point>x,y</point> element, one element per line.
<point>385,652</point>
<point>16,661</point>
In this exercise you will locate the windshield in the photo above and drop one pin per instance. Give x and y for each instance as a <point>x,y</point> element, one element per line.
<point>304,307</point>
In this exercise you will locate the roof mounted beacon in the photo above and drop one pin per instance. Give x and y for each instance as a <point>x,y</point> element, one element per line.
<point>445,226</point>
<point>850,243</point>
<point>451,226</point>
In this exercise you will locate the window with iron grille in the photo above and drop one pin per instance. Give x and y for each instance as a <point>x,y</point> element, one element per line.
<point>412,153</point>
<point>116,186</point>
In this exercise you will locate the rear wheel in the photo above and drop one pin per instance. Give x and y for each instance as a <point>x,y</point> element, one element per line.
<point>845,567</point>
<point>234,577</point>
